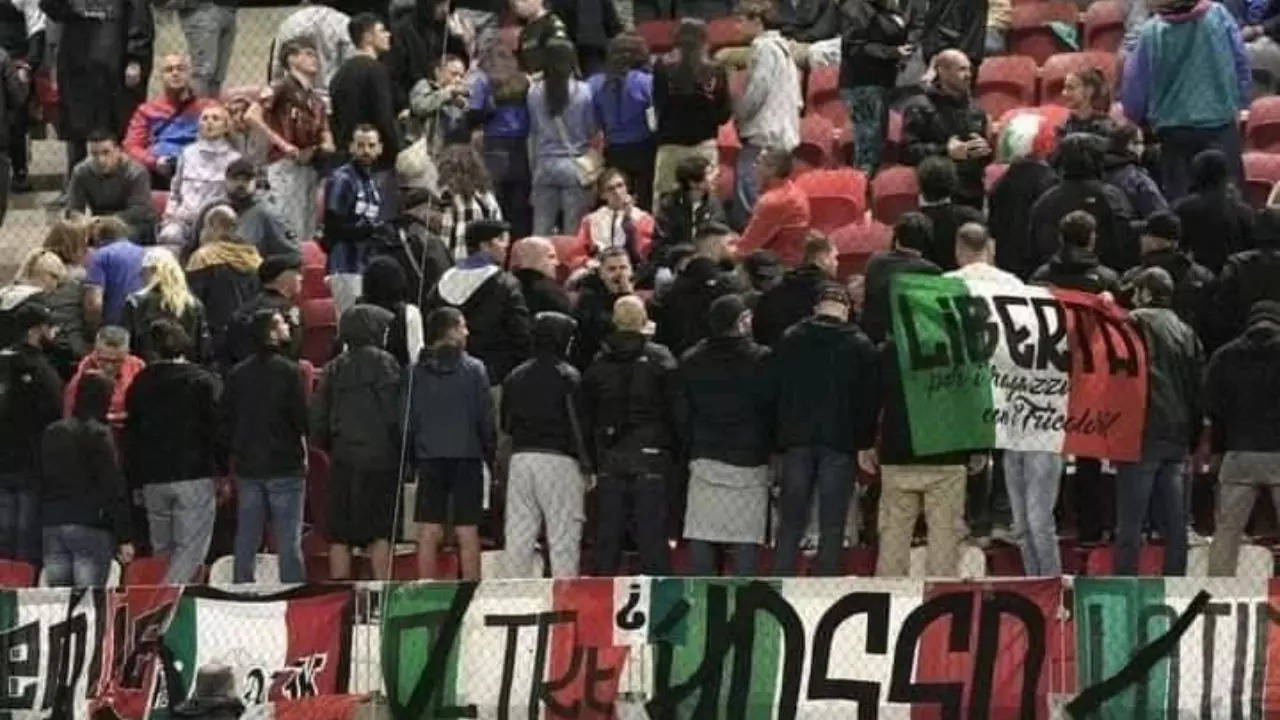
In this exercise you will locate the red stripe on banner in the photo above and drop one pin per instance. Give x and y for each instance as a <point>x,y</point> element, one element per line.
<point>1106,410</point>
<point>318,656</point>
<point>938,663</point>
<point>1271,679</point>
<point>584,664</point>
<point>135,619</point>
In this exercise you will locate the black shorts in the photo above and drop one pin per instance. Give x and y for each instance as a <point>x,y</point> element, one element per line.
<point>450,490</point>
<point>362,504</point>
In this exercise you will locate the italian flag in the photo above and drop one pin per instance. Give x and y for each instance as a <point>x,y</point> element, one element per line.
<point>31,665</point>
<point>1017,367</point>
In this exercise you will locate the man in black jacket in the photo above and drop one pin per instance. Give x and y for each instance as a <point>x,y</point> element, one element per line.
<point>1250,276</point>
<point>534,262</point>
<point>727,412</point>
<point>960,24</point>
<point>681,311</point>
<point>937,179</point>
<point>30,399</point>
<point>1154,483</point>
<point>683,210</point>
<point>911,235</point>
<point>173,450</point>
<point>1240,391</point>
<point>417,45</point>
<point>792,300</point>
<point>1076,266</point>
<point>281,279</point>
<point>356,419</point>
<point>627,419</point>
<point>265,416</point>
<point>596,296</point>
<point>946,122</point>
<point>546,484</point>
<point>1192,282</point>
<point>1082,188</point>
<point>826,371</point>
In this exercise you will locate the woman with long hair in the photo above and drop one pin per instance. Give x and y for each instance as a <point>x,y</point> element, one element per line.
<point>1087,94</point>
<point>499,92</point>
<point>562,123</point>
<point>69,240</point>
<point>691,99</point>
<point>199,176</point>
<point>623,98</point>
<point>465,196</point>
<point>164,294</point>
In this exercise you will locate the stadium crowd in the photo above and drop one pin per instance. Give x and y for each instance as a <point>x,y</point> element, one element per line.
<point>557,298</point>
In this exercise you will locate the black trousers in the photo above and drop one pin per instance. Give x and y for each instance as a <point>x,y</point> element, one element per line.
<point>507,160</point>
<point>1179,146</point>
<point>631,495</point>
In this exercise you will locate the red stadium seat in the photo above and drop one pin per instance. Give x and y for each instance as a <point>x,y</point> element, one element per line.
<point>856,243</point>
<point>1006,82</point>
<point>570,253</point>
<point>992,175</point>
<point>725,176</point>
<point>1031,33</point>
<point>313,284</point>
<point>894,191</point>
<point>1263,130</point>
<point>159,202</point>
<point>1261,173</point>
<point>725,32</point>
<point>728,144</point>
<point>823,96</point>
<point>319,327</point>
<point>837,197</point>
<point>1104,26</point>
<point>15,574</point>
<point>817,141</point>
<point>659,35</point>
<point>1056,69</point>
<point>1101,562</point>
<point>892,139</point>
<point>151,571</point>
<point>313,254</point>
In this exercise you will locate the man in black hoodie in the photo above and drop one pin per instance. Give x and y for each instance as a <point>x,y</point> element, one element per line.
<point>681,311</point>
<point>911,236</point>
<point>355,417</point>
<point>1075,266</point>
<point>1240,391</point>
<point>417,44</point>
<point>937,179</point>
<point>1192,282</point>
<point>594,309</point>
<point>627,419</point>
<point>534,262</point>
<point>173,450</point>
<point>946,122</point>
<point>828,395</point>
<point>1250,276</point>
<point>546,484</point>
<point>30,399</point>
<point>265,417</point>
<point>792,300</point>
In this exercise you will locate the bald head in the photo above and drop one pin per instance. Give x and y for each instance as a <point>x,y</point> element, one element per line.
<point>629,314</point>
<point>955,73</point>
<point>535,253</point>
<point>175,73</point>
<point>973,245</point>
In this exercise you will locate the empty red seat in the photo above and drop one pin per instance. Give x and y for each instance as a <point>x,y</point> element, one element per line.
<point>1101,562</point>
<point>319,328</point>
<point>659,35</point>
<point>16,574</point>
<point>1056,69</point>
<point>1104,26</point>
<point>1006,82</point>
<point>1263,130</point>
<point>313,284</point>
<point>824,81</point>
<point>159,202</point>
<point>313,254</point>
<point>894,191</point>
<point>856,243</point>
<point>1031,32</point>
<point>817,141</point>
<point>1261,173</point>
<point>725,32</point>
<point>837,197</point>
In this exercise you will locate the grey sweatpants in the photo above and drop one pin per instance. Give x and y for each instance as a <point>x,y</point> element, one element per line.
<point>544,487</point>
<point>1243,476</point>
<point>210,30</point>
<point>181,518</point>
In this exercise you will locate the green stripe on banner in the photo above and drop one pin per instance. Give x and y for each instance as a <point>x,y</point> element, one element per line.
<point>1113,618</point>
<point>940,383</point>
<point>180,638</point>
<point>413,622</point>
<point>8,609</point>
<point>684,615</point>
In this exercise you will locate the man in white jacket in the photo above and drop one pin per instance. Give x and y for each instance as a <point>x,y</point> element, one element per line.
<point>768,113</point>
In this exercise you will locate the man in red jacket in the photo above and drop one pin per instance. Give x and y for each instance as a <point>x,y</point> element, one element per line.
<point>161,127</point>
<point>781,217</point>
<point>112,359</point>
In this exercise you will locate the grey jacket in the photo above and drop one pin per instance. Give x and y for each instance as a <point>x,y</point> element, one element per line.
<point>355,413</point>
<point>450,413</point>
<point>1175,359</point>
<point>256,224</point>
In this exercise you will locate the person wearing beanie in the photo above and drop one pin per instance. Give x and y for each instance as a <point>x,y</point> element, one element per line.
<point>1241,385</point>
<point>1175,360</point>
<point>355,417</point>
<point>31,391</point>
<point>826,371</point>
<point>1192,282</point>
<point>726,415</point>
<point>549,462</point>
<point>280,279</point>
<point>256,222</point>
<point>1249,275</point>
<point>386,286</point>
<point>265,421</point>
<point>628,399</point>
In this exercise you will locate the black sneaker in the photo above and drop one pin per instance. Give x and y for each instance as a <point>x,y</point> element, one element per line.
<point>21,183</point>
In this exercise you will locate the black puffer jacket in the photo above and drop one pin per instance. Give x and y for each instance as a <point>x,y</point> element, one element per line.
<point>1009,214</point>
<point>542,293</point>
<point>534,409</point>
<point>1246,278</point>
<point>1241,387</point>
<point>172,431</point>
<point>787,304</point>
<point>34,401</point>
<point>1074,268</point>
<point>628,396</point>
<point>1175,359</point>
<point>727,401</point>
<point>681,311</point>
<point>355,412</point>
<point>1108,206</point>
<point>960,24</point>
<point>141,309</point>
<point>497,316</point>
<point>81,483</point>
<point>931,119</point>
<point>828,386</point>
<point>594,313</point>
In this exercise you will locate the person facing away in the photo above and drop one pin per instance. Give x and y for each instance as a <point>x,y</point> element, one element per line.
<point>937,179</point>
<point>1216,221</point>
<point>361,89</point>
<point>265,421</point>
<point>453,439</point>
<point>165,295</point>
<point>792,300</point>
<point>222,274</point>
<point>726,410</point>
<point>1241,385</point>
<point>828,400</point>
<point>355,417</point>
<point>681,311</point>
<point>1076,266</point>
<point>1192,282</point>
<point>912,234</point>
<point>549,466</point>
<point>1153,484</point>
<point>84,507</point>
<point>628,425</point>
<point>1249,276</point>
<point>174,449</point>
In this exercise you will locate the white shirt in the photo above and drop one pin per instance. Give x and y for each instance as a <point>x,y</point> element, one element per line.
<point>986,273</point>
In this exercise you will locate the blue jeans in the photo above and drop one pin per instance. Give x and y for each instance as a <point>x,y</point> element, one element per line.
<point>745,191</point>
<point>1032,479</point>
<point>19,525</point>
<point>557,193</point>
<point>283,497</point>
<point>1154,484</point>
<point>803,470</point>
<point>702,558</point>
<point>77,555</point>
